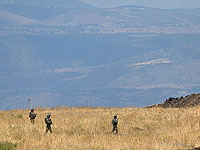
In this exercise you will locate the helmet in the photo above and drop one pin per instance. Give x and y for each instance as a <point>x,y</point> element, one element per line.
<point>32,110</point>
<point>115,116</point>
<point>48,115</point>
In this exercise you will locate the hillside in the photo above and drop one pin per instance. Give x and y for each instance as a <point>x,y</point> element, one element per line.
<point>71,53</point>
<point>158,4</point>
<point>187,101</point>
<point>101,70</point>
<point>79,17</point>
<point>90,128</point>
<point>9,19</point>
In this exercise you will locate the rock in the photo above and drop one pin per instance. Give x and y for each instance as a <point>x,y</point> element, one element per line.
<point>197,148</point>
<point>188,101</point>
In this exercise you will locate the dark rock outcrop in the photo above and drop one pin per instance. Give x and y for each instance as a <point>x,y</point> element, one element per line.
<point>197,148</point>
<point>188,101</point>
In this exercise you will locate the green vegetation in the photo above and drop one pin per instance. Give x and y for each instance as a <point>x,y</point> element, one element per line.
<point>20,116</point>
<point>7,146</point>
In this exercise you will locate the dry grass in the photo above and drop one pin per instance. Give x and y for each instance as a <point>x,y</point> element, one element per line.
<point>90,129</point>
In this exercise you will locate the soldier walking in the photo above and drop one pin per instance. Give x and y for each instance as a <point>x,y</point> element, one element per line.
<point>114,123</point>
<point>48,123</point>
<point>32,116</point>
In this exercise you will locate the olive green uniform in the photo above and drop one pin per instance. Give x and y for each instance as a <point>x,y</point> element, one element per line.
<point>32,116</point>
<point>115,123</point>
<point>48,124</point>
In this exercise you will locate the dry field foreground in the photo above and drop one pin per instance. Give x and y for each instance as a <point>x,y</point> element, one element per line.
<point>90,129</point>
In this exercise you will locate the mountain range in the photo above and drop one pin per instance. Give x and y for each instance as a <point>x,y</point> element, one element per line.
<point>75,54</point>
<point>165,4</point>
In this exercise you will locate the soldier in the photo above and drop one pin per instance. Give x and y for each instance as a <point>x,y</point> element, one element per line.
<point>32,116</point>
<point>115,122</point>
<point>48,123</point>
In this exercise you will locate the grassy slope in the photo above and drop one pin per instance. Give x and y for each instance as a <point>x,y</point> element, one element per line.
<point>89,128</point>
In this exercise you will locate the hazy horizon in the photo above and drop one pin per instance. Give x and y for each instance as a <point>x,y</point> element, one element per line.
<point>167,4</point>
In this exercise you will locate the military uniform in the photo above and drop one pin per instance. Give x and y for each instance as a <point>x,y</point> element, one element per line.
<point>115,123</point>
<point>48,123</point>
<point>32,116</point>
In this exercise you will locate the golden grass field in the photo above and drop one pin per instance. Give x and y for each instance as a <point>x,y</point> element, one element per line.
<point>90,129</point>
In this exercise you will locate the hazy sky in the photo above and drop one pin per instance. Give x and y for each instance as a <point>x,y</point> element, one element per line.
<point>151,3</point>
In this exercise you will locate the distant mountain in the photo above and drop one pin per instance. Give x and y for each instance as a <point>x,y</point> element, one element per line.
<point>97,70</point>
<point>49,3</point>
<point>9,19</point>
<point>79,55</point>
<point>77,17</point>
<point>41,9</point>
<point>129,19</point>
<point>164,4</point>
<point>34,12</point>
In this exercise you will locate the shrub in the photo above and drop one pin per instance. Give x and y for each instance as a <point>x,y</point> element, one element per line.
<point>7,146</point>
<point>20,116</point>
